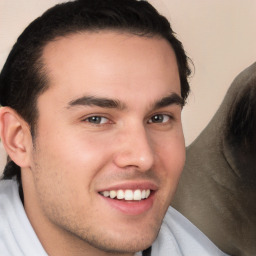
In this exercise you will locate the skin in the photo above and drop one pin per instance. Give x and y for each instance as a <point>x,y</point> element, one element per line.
<point>73,158</point>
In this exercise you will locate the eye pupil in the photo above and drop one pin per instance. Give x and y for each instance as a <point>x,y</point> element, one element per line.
<point>95,119</point>
<point>157,119</point>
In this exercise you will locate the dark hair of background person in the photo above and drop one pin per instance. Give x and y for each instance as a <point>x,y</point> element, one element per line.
<point>23,77</point>
<point>239,131</point>
<point>241,118</point>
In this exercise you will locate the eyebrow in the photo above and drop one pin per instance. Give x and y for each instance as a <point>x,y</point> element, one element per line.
<point>172,99</point>
<point>96,101</point>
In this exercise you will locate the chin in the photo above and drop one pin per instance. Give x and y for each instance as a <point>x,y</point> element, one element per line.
<point>126,241</point>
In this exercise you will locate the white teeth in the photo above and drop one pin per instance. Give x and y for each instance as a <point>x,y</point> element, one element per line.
<point>137,195</point>
<point>120,194</point>
<point>106,193</point>
<point>112,194</point>
<point>128,194</point>
<point>147,193</point>
<point>143,194</point>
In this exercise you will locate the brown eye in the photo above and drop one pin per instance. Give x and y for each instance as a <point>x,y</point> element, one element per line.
<point>97,120</point>
<point>159,118</point>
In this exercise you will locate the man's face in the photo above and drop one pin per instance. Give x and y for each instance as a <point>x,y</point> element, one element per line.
<point>109,125</point>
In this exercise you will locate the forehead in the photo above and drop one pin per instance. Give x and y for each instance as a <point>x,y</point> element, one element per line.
<point>107,62</point>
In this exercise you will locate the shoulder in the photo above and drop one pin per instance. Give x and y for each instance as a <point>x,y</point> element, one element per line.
<point>179,237</point>
<point>17,236</point>
<point>8,189</point>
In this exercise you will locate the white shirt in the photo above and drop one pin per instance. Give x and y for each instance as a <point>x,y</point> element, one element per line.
<point>177,236</point>
<point>17,237</point>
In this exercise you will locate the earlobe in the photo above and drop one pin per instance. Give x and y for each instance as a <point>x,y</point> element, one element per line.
<point>15,136</point>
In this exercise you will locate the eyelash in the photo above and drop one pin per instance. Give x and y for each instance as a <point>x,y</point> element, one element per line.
<point>157,117</point>
<point>163,116</point>
<point>87,119</point>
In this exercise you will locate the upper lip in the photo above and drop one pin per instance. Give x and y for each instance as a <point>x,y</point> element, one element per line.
<point>133,185</point>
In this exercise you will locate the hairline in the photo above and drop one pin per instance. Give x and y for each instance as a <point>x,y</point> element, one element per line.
<point>43,71</point>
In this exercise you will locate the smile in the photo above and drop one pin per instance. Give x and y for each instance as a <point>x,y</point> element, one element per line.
<point>127,194</point>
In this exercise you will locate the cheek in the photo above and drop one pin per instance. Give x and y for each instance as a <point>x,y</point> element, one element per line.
<point>171,156</point>
<point>64,172</point>
<point>69,161</point>
<point>74,152</point>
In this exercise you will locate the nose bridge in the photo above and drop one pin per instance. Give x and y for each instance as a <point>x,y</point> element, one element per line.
<point>135,148</point>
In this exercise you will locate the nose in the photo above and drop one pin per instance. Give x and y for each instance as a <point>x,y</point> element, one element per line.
<point>134,150</point>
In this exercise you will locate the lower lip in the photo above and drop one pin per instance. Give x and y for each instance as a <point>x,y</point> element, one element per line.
<point>131,207</point>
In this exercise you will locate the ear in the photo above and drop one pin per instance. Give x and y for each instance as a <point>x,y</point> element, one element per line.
<point>15,136</point>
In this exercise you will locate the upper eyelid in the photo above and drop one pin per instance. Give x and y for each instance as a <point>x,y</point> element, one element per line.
<point>167,113</point>
<point>87,122</point>
<point>164,114</point>
<point>102,117</point>
<point>96,114</point>
<point>112,117</point>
